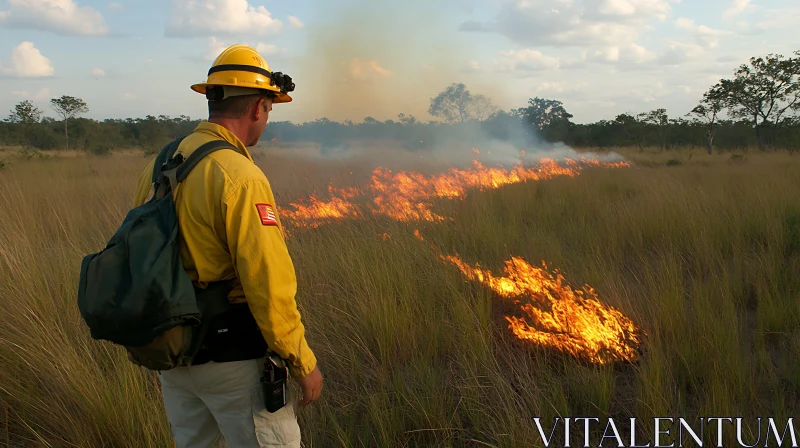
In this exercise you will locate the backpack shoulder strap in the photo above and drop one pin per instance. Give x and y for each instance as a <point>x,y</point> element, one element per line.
<point>165,156</point>
<point>186,167</point>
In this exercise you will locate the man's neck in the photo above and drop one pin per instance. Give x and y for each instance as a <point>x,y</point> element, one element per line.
<point>234,126</point>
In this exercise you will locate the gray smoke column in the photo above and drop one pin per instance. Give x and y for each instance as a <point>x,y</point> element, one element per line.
<point>365,58</point>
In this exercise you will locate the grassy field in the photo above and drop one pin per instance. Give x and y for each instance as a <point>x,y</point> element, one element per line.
<point>704,256</point>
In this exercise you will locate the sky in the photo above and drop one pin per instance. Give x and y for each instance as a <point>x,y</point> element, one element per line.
<point>356,58</point>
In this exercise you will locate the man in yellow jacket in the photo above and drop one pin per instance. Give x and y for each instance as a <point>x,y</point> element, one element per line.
<point>231,232</point>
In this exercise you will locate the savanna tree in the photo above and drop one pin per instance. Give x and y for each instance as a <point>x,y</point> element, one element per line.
<point>660,120</point>
<point>25,112</point>
<point>707,113</point>
<point>457,104</point>
<point>763,92</point>
<point>632,127</point>
<point>548,117</point>
<point>68,107</point>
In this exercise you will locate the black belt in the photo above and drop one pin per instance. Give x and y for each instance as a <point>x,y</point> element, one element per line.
<point>232,336</point>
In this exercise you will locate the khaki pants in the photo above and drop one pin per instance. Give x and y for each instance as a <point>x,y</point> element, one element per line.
<point>212,401</point>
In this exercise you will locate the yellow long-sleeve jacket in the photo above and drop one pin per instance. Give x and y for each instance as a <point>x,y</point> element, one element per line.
<point>230,231</point>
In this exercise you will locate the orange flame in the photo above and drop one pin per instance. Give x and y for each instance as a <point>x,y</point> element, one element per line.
<point>557,316</point>
<point>407,196</point>
<point>312,212</point>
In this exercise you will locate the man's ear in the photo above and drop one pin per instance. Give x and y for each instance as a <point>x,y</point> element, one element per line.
<point>258,109</point>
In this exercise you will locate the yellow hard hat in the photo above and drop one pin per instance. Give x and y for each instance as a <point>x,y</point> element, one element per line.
<point>242,67</point>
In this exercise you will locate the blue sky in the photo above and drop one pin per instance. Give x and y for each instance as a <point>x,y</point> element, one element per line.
<point>356,58</point>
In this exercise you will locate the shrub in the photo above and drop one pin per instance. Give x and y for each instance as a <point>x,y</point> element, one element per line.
<point>738,158</point>
<point>41,137</point>
<point>30,153</point>
<point>99,149</point>
<point>673,162</point>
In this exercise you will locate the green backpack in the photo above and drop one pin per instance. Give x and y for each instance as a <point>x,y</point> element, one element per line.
<point>136,293</point>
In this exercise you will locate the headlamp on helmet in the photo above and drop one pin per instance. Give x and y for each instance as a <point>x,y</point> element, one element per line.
<point>282,81</point>
<point>277,79</point>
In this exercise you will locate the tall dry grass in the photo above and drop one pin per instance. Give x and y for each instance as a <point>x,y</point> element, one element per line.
<point>704,256</point>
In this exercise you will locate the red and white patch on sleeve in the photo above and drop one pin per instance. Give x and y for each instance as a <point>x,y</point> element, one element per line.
<point>267,215</point>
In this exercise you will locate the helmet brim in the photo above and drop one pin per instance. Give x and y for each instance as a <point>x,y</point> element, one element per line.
<point>280,97</point>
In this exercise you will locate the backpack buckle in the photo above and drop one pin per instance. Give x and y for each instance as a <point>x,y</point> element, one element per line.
<point>172,164</point>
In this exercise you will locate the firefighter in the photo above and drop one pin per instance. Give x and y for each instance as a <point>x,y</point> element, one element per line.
<point>230,231</point>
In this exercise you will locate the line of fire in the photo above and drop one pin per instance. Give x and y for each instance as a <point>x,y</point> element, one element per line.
<point>549,313</point>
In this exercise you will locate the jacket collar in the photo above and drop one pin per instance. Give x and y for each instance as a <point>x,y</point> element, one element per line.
<point>220,132</point>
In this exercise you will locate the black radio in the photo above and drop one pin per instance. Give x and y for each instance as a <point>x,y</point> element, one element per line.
<point>274,384</point>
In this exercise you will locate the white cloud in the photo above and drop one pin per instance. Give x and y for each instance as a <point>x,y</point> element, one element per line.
<point>703,35</point>
<point>213,48</point>
<point>594,104</point>
<point>562,88</point>
<point>551,87</point>
<point>737,7</point>
<point>684,23</point>
<point>195,18</point>
<point>128,96</point>
<point>607,54</point>
<point>472,67</point>
<point>295,22</point>
<point>27,61</point>
<point>115,6</point>
<point>628,54</point>
<point>525,61</point>
<point>367,70</point>
<point>617,7</point>
<point>98,72</point>
<point>659,9</point>
<point>62,17</point>
<point>676,53</point>
<point>650,93</point>
<point>573,22</point>
<point>266,49</point>
<point>637,53</point>
<point>778,18</point>
<point>216,46</point>
<point>42,95</point>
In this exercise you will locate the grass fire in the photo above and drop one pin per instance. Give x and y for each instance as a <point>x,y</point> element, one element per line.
<point>556,316</point>
<point>406,196</point>
<point>572,321</point>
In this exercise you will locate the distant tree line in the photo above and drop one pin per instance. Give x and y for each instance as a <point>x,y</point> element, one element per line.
<point>27,127</point>
<point>757,108</point>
